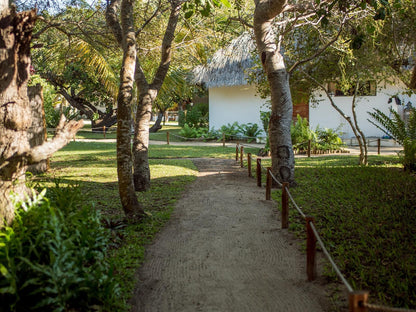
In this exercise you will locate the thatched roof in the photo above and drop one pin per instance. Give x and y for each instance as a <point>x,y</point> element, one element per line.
<point>229,66</point>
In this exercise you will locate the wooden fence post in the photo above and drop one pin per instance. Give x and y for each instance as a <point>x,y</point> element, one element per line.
<point>104,131</point>
<point>268,184</point>
<point>167,138</point>
<point>242,156</point>
<point>309,148</point>
<point>357,301</point>
<point>258,172</point>
<point>285,206</point>
<point>236,152</point>
<point>310,250</point>
<point>378,146</point>
<point>249,164</point>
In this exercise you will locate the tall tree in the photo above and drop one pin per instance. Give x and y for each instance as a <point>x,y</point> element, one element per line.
<point>270,36</point>
<point>15,151</point>
<point>129,201</point>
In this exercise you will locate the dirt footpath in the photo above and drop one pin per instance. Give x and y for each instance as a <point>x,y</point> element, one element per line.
<point>224,250</point>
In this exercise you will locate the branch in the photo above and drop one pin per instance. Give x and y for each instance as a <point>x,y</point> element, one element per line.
<point>112,20</point>
<point>167,45</point>
<point>151,18</point>
<point>319,52</point>
<point>64,133</point>
<point>241,20</point>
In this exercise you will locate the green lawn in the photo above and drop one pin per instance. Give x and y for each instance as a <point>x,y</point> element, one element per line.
<point>366,215</point>
<point>367,219</point>
<point>92,165</point>
<point>86,133</point>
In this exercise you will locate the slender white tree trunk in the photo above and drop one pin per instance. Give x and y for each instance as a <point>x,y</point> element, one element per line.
<point>283,161</point>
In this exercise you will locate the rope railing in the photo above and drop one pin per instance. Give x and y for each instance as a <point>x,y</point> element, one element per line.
<point>358,300</point>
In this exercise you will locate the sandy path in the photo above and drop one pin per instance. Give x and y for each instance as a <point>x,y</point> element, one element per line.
<point>224,250</point>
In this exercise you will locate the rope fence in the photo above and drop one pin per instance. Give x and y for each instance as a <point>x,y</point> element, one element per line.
<point>357,300</point>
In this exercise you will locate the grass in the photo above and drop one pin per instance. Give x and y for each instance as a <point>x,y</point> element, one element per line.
<point>366,215</point>
<point>92,166</point>
<point>367,219</point>
<point>86,133</point>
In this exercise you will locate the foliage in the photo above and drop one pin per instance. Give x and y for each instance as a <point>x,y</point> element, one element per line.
<point>404,132</point>
<point>181,118</point>
<point>230,130</point>
<point>53,256</point>
<point>250,131</point>
<point>321,139</point>
<point>368,230</point>
<point>196,116</point>
<point>204,133</point>
<point>301,133</point>
<point>94,164</point>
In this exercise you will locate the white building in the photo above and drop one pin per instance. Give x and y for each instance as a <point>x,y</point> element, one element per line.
<point>385,96</point>
<point>232,99</point>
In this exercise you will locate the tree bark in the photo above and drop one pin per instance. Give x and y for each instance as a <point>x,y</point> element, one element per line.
<point>283,161</point>
<point>15,151</point>
<point>141,166</point>
<point>37,132</point>
<point>156,126</point>
<point>130,204</point>
<point>147,95</point>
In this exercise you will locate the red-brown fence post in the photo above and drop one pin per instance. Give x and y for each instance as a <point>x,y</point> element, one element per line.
<point>309,148</point>
<point>378,146</point>
<point>357,301</point>
<point>167,138</point>
<point>236,152</point>
<point>249,164</point>
<point>242,156</point>
<point>310,250</point>
<point>268,184</point>
<point>285,205</point>
<point>258,172</point>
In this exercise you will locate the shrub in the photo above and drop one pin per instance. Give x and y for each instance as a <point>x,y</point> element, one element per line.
<point>329,138</point>
<point>52,258</point>
<point>181,118</point>
<point>250,130</point>
<point>301,133</point>
<point>204,133</point>
<point>230,130</point>
<point>197,117</point>
<point>403,132</point>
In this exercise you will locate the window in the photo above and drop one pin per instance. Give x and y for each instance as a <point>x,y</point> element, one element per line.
<point>368,88</point>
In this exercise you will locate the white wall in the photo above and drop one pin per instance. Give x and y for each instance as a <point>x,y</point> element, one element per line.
<point>237,103</point>
<point>326,116</point>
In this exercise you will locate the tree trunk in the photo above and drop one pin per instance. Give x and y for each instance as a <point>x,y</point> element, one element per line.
<point>147,95</point>
<point>141,174</point>
<point>130,204</point>
<point>283,160</point>
<point>15,151</point>
<point>37,132</point>
<point>156,126</point>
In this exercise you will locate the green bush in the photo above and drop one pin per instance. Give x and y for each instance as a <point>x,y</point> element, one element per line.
<point>52,258</point>
<point>196,117</point>
<point>181,118</point>
<point>404,132</point>
<point>203,133</point>
<point>301,133</point>
<point>249,130</point>
<point>230,130</point>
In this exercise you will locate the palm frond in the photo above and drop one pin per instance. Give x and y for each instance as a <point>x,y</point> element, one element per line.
<point>96,62</point>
